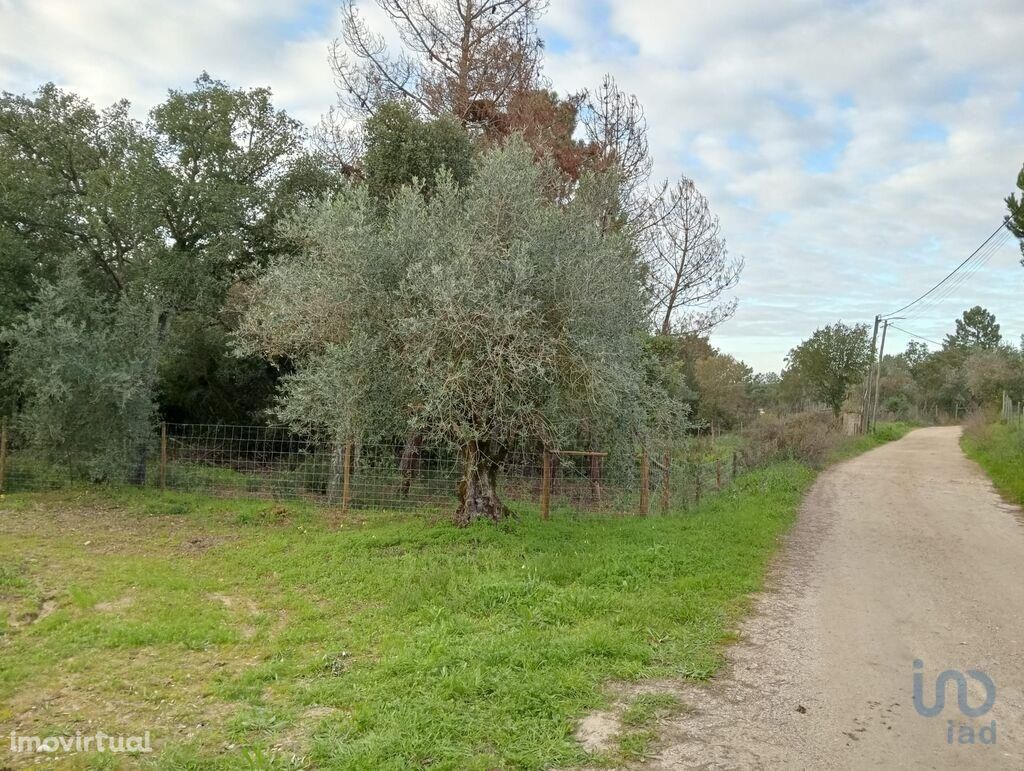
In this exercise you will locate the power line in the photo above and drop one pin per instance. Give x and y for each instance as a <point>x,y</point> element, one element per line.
<point>925,303</point>
<point>932,299</point>
<point>913,334</point>
<point>953,272</point>
<point>958,276</point>
<point>961,278</point>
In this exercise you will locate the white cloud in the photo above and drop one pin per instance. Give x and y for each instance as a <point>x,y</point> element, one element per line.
<point>744,96</point>
<point>108,50</point>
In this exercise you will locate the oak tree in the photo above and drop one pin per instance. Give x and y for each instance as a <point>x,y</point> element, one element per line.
<point>832,360</point>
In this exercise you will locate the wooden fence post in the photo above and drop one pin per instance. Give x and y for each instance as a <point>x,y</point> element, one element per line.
<point>545,485</point>
<point>645,481</point>
<point>718,474</point>
<point>3,453</point>
<point>666,492</point>
<point>346,484</point>
<point>735,463</point>
<point>163,456</point>
<point>696,483</point>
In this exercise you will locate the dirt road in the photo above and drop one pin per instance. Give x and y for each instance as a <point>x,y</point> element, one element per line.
<point>903,554</point>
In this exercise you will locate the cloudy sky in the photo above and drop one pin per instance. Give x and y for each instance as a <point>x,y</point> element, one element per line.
<point>855,151</point>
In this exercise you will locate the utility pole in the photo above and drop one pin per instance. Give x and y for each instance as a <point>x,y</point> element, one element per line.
<point>867,380</point>
<point>878,374</point>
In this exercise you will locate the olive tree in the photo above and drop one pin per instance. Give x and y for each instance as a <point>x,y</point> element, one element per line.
<point>86,366</point>
<point>481,316</point>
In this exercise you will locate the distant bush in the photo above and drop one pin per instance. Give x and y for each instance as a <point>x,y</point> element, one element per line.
<point>806,437</point>
<point>978,426</point>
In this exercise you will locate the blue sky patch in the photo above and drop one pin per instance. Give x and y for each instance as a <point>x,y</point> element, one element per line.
<point>928,131</point>
<point>614,43</point>
<point>309,19</point>
<point>825,158</point>
<point>741,142</point>
<point>794,107</point>
<point>557,44</point>
<point>844,101</point>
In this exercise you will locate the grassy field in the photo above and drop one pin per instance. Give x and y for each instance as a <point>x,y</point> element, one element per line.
<point>999,450</point>
<point>247,634</point>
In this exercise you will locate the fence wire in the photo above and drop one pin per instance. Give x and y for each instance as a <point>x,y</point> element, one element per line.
<point>274,463</point>
<point>1012,412</point>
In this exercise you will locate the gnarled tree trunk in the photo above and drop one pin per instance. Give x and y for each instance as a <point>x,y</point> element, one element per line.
<point>409,462</point>
<point>478,488</point>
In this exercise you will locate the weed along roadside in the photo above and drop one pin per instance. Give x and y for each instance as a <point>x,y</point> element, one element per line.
<point>238,631</point>
<point>626,727</point>
<point>999,449</point>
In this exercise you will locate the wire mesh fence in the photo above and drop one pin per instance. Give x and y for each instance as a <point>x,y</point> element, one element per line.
<point>272,462</point>
<point>1012,412</point>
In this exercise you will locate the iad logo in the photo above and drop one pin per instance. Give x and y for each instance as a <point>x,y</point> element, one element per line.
<point>964,732</point>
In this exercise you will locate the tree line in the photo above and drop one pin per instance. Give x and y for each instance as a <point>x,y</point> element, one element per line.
<point>455,254</point>
<point>969,370</point>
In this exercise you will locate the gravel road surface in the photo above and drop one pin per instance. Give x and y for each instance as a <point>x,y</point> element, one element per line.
<point>903,554</point>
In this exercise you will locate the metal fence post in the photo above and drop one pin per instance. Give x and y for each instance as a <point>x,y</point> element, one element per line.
<point>3,453</point>
<point>163,456</point>
<point>735,463</point>
<point>696,482</point>
<point>645,481</point>
<point>545,485</point>
<point>346,483</point>
<point>718,474</point>
<point>666,493</point>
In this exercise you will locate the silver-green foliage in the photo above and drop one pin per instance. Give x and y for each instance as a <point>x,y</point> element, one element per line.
<point>87,366</point>
<point>486,314</point>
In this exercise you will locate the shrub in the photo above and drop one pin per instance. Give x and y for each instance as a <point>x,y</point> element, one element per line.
<point>978,426</point>
<point>85,366</point>
<point>806,437</point>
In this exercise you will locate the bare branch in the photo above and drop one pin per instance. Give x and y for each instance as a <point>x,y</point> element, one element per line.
<point>456,56</point>
<point>615,123</point>
<point>690,266</point>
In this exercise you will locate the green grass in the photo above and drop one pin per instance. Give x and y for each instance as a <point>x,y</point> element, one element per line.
<point>251,634</point>
<point>638,719</point>
<point>648,707</point>
<point>636,745</point>
<point>999,450</point>
<point>383,642</point>
<point>883,433</point>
